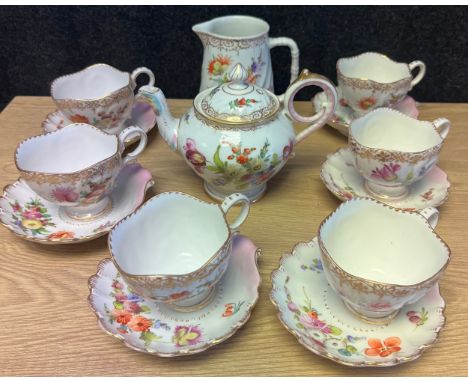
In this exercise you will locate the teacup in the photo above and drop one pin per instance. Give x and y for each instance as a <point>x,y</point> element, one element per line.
<point>99,95</point>
<point>379,258</point>
<point>75,167</point>
<point>393,150</point>
<point>372,80</point>
<point>175,248</point>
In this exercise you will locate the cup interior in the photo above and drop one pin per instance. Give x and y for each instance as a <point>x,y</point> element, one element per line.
<point>94,82</point>
<point>373,66</point>
<point>374,242</point>
<point>70,149</point>
<point>237,26</point>
<point>390,130</point>
<point>172,234</point>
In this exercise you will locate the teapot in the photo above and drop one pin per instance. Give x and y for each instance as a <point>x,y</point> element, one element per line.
<point>237,135</point>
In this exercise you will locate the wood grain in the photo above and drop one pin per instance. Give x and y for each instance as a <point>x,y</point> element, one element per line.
<point>48,329</point>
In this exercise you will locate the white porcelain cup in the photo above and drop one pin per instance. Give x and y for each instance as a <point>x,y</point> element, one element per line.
<point>392,150</point>
<point>175,248</point>
<point>99,95</point>
<point>75,167</point>
<point>379,258</point>
<point>372,80</point>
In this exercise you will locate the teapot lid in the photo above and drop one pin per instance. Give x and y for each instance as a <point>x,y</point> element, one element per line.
<point>237,102</point>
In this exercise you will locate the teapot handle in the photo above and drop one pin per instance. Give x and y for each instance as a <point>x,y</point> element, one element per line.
<point>321,117</point>
<point>139,71</point>
<point>291,44</point>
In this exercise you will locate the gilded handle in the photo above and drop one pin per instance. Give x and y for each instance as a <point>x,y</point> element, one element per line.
<point>291,44</point>
<point>232,200</point>
<point>422,71</point>
<point>139,71</point>
<point>132,131</point>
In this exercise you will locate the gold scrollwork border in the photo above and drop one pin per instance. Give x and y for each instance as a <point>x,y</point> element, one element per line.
<point>231,44</point>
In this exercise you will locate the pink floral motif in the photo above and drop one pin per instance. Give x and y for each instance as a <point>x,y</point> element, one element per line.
<point>195,157</point>
<point>186,335</point>
<point>65,194</point>
<point>288,150</point>
<point>310,321</point>
<point>387,172</point>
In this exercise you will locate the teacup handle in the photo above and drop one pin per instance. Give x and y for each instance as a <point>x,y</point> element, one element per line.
<point>230,201</point>
<point>321,117</point>
<point>431,214</point>
<point>291,44</point>
<point>135,131</point>
<point>422,71</point>
<point>442,125</point>
<point>139,71</point>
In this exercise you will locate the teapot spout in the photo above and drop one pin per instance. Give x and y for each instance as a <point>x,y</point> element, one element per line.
<point>167,124</point>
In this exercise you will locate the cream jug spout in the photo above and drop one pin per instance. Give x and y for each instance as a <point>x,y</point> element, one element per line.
<point>202,28</point>
<point>167,125</point>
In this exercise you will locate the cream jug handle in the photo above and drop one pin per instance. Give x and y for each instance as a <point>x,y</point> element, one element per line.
<point>321,117</point>
<point>291,44</point>
<point>431,214</point>
<point>132,131</point>
<point>139,71</point>
<point>422,71</point>
<point>230,201</point>
<point>442,125</point>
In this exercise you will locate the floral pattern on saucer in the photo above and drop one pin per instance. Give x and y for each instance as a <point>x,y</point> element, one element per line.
<point>344,114</point>
<point>317,317</point>
<point>142,115</point>
<point>32,218</point>
<point>155,328</point>
<point>345,182</point>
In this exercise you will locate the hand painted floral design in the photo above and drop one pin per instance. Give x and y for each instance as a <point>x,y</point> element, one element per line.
<point>104,226</point>
<point>388,172</point>
<point>254,70</point>
<point>367,103</point>
<point>378,348</point>
<point>240,167</point>
<point>239,103</point>
<point>79,118</point>
<point>343,102</point>
<point>288,150</point>
<point>61,235</point>
<point>179,295</point>
<point>428,195</point>
<point>33,217</point>
<point>315,266</point>
<point>95,190</point>
<point>418,318</point>
<point>232,308</point>
<point>186,335</point>
<point>217,68</point>
<point>65,194</point>
<point>129,313</point>
<point>195,157</point>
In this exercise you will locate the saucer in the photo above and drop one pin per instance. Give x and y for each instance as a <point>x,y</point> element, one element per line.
<point>317,317</point>
<point>30,217</point>
<point>151,327</point>
<point>142,115</point>
<point>344,114</point>
<point>345,182</point>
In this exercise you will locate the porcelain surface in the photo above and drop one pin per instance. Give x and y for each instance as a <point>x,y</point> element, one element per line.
<point>150,327</point>
<point>372,80</point>
<point>340,176</point>
<point>310,310</point>
<point>393,151</point>
<point>99,95</point>
<point>75,167</point>
<point>343,115</point>
<point>378,258</point>
<point>236,39</point>
<point>175,248</point>
<point>33,218</point>
<point>142,116</point>
<point>238,135</point>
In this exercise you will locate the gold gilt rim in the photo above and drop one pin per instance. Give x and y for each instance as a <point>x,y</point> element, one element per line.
<point>367,80</point>
<point>74,173</point>
<point>158,276</point>
<point>428,151</point>
<point>60,100</point>
<point>82,239</point>
<point>234,328</point>
<point>373,282</point>
<point>332,189</point>
<point>325,354</point>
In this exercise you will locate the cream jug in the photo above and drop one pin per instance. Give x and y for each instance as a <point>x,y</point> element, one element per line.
<point>230,40</point>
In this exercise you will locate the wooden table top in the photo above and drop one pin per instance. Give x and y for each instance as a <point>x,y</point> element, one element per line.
<point>48,329</point>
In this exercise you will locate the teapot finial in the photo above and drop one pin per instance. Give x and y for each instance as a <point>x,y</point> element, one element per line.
<point>238,74</point>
